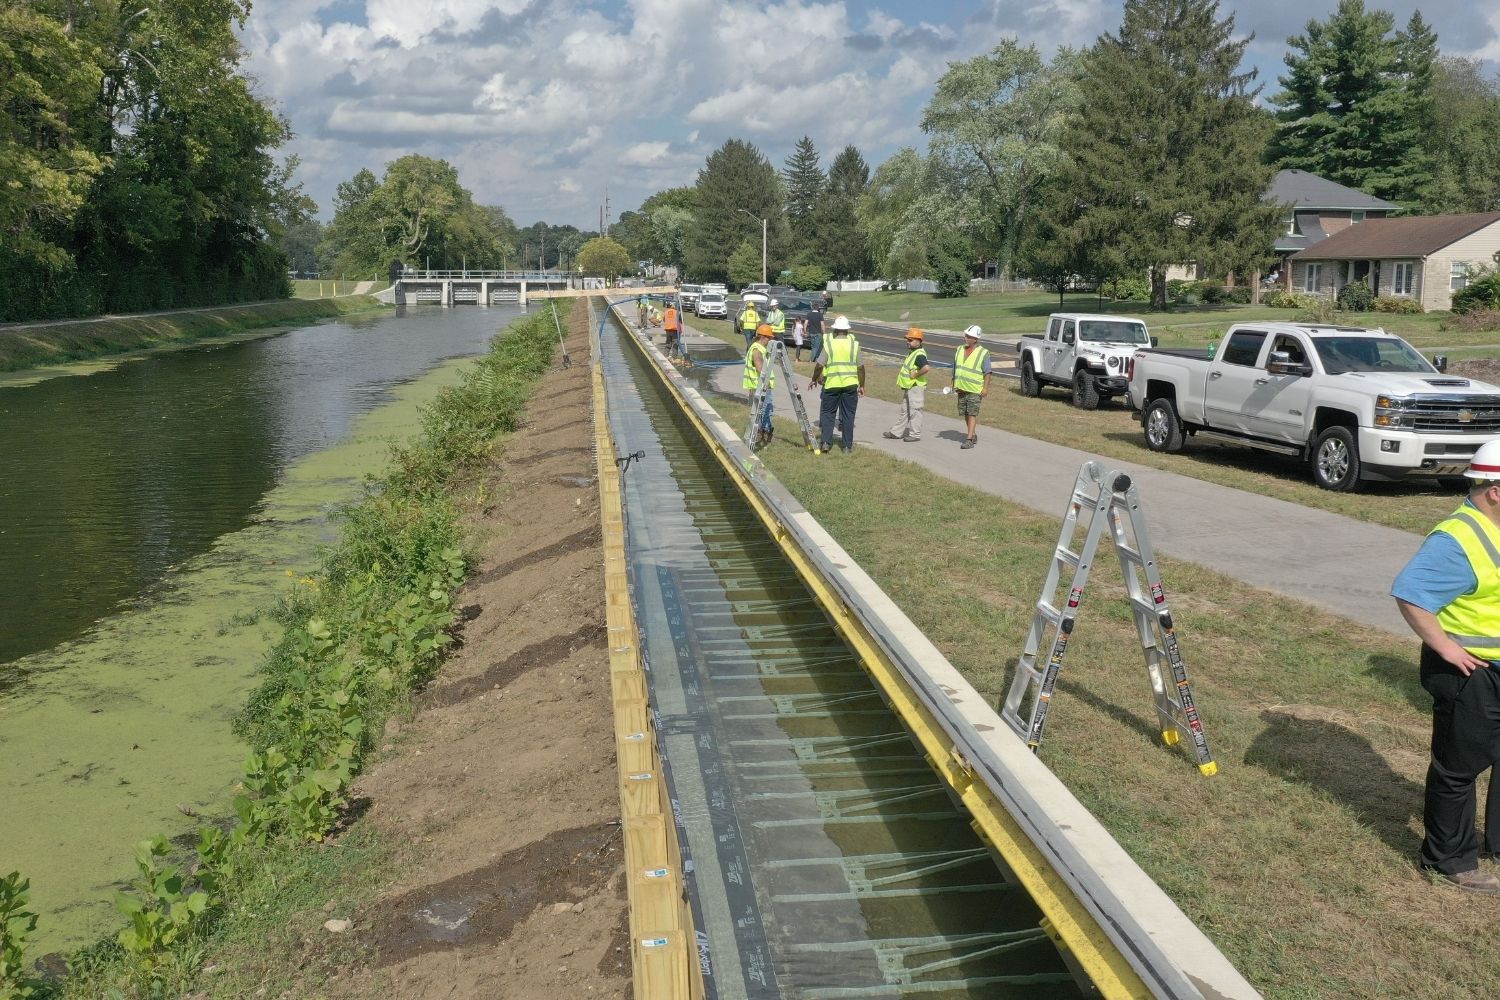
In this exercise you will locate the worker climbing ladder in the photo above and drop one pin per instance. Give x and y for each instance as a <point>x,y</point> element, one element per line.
<point>776,359</point>
<point>1105,499</point>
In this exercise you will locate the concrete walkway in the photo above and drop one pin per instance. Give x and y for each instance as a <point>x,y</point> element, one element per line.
<point>1335,562</point>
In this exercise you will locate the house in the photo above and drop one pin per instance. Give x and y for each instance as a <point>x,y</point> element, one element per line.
<point>1318,208</point>
<point>1425,257</point>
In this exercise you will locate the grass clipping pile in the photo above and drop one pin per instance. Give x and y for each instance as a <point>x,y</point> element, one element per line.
<point>501,799</point>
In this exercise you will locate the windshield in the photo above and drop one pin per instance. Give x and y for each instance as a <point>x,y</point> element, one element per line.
<point>1369,354</point>
<point>692,288</point>
<point>711,299</point>
<point>1114,331</point>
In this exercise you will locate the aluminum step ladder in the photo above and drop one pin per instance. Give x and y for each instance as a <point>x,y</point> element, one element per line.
<point>776,359</point>
<point>1105,499</point>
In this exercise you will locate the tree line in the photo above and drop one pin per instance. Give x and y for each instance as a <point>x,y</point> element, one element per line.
<point>1151,148</point>
<point>138,165</point>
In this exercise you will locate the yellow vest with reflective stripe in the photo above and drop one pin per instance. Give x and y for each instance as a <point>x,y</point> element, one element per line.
<point>842,369</point>
<point>907,376</point>
<point>777,319</point>
<point>752,377</point>
<point>968,372</point>
<point>1473,620</point>
<point>749,319</point>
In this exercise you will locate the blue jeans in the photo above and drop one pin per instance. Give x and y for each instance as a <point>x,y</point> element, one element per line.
<point>840,402</point>
<point>815,341</point>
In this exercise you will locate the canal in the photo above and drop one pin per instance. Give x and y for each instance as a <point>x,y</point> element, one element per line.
<point>150,512</point>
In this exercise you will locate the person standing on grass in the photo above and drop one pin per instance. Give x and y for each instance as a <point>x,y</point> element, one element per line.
<point>1449,593</point>
<point>971,380</point>
<point>777,319</point>
<point>815,330</point>
<point>842,375</point>
<point>757,358</point>
<point>912,381</point>
<point>748,319</point>
<point>799,335</point>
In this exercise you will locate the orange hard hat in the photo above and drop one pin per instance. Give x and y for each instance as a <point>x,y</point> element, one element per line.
<point>914,334</point>
<point>764,330</point>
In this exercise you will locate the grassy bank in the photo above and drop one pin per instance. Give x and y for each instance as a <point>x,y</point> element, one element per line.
<point>1298,858</point>
<point>313,288</point>
<point>359,635</point>
<point>50,343</point>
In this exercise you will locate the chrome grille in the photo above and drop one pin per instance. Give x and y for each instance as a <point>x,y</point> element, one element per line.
<point>1455,415</point>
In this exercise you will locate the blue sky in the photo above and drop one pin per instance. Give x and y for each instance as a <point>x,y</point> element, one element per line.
<point>541,104</point>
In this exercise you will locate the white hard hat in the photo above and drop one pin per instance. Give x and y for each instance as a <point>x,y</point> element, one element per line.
<point>841,322</point>
<point>1486,462</point>
<point>775,303</point>
<point>974,331</point>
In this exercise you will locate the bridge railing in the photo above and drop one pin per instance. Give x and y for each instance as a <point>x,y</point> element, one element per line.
<point>472,275</point>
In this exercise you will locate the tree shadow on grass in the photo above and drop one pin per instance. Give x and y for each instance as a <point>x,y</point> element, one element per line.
<point>1403,676</point>
<point>1324,755</point>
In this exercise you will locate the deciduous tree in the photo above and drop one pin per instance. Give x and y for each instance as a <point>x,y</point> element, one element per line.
<point>605,256</point>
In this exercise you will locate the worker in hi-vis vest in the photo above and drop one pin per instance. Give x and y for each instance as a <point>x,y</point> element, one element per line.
<point>1449,593</point>
<point>777,320</point>
<point>841,373</point>
<point>911,379</point>
<point>971,380</point>
<point>671,324</point>
<point>758,360</point>
<point>749,319</point>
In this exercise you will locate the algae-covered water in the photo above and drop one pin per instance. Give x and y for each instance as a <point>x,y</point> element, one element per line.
<point>147,512</point>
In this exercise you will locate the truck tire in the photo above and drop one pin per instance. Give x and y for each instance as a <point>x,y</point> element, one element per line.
<point>1085,390</point>
<point>1335,460</point>
<point>1162,426</point>
<point>1030,384</point>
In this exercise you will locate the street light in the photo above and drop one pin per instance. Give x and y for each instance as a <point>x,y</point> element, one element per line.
<point>762,241</point>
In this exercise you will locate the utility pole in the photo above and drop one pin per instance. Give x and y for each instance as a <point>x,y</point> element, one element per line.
<point>604,222</point>
<point>746,211</point>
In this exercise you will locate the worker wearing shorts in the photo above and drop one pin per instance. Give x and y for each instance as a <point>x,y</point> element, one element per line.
<point>971,380</point>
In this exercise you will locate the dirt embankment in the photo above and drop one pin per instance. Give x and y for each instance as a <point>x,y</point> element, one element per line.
<point>504,791</point>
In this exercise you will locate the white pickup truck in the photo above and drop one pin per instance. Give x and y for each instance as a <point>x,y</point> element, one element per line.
<point>1084,352</point>
<point>1357,404</point>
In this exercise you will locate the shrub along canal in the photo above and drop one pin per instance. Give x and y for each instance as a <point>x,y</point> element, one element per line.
<point>147,512</point>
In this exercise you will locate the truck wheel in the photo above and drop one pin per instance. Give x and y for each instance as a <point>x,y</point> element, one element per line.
<point>1030,384</point>
<point>1163,428</point>
<point>1085,390</point>
<point>1335,460</point>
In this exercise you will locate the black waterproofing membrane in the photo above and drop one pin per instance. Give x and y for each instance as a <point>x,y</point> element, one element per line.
<point>824,857</point>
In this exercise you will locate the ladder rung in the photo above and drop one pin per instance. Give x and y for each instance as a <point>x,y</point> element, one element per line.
<point>1085,500</point>
<point>1048,612</point>
<point>1067,556</point>
<point>1126,552</point>
<point>1144,606</point>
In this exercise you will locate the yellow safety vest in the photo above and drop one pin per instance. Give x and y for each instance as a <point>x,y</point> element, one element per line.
<point>749,319</point>
<point>1473,620</point>
<point>907,376</point>
<point>968,372</point>
<point>752,377</point>
<point>842,369</point>
<point>777,319</point>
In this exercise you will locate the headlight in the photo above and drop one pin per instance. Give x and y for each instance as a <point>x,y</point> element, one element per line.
<point>1390,412</point>
<point>1393,420</point>
<point>1391,403</point>
<point>1114,361</point>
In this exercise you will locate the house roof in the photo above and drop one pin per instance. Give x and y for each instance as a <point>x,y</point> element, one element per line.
<point>1414,236</point>
<point>1301,189</point>
<point>1309,231</point>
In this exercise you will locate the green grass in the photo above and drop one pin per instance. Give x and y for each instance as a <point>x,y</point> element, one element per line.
<point>52,343</point>
<point>312,288</point>
<point>1112,433</point>
<point>1182,326</point>
<point>1298,858</point>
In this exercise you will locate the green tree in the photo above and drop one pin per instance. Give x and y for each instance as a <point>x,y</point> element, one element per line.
<point>996,122</point>
<point>810,277</point>
<point>837,240</point>
<point>669,228</point>
<point>507,236</point>
<point>804,183</point>
<point>1351,105</point>
<point>1464,137</point>
<point>895,217</point>
<point>633,231</point>
<point>736,188</point>
<point>1165,162</point>
<point>743,266</point>
<point>605,256</point>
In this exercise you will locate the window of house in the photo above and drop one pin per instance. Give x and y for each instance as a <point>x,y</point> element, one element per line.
<point>1358,215</point>
<point>1312,277</point>
<point>1401,277</point>
<point>1243,348</point>
<point>1458,276</point>
<point>1291,225</point>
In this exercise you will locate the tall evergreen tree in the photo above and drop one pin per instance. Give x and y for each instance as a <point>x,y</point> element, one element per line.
<point>838,242</point>
<point>1165,149</point>
<point>736,188</point>
<point>1346,112</point>
<point>804,183</point>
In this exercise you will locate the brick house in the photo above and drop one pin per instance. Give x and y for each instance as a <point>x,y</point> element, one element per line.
<point>1318,208</point>
<point>1425,257</point>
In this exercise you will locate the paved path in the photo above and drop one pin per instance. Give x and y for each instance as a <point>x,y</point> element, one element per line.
<point>1335,562</point>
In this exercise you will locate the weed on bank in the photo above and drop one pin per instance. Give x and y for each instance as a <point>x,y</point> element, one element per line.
<point>360,635</point>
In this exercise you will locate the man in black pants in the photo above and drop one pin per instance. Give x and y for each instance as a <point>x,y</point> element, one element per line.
<point>1449,593</point>
<point>841,373</point>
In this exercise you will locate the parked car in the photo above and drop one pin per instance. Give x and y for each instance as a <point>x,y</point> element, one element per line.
<point>689,295</point>
<point>1356,404</point>
<point>1084,352</point>
<point>757,286</point>
<point>711,304</point>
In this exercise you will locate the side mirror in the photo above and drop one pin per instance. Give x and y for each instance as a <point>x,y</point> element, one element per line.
<point>1155,341</point>
<point>1067,336</point>
<point>1440,362</point>
<point>1281,363</point>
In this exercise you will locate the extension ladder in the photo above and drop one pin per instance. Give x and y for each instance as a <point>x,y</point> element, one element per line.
<point>776,359</point>
<point>1105,498</point>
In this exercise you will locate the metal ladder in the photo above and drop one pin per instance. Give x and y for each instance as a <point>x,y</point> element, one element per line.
<point>1110,500</point>
<point>776,359</point>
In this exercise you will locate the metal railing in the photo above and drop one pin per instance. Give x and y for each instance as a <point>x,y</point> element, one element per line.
<point>473,275</point>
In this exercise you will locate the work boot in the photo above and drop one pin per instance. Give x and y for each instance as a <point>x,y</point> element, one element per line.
<point>910,438</point>
<point>1475,880</point>
<point>893,437</point>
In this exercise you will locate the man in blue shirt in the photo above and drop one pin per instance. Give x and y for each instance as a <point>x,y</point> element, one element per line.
<point>1449,593</point>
